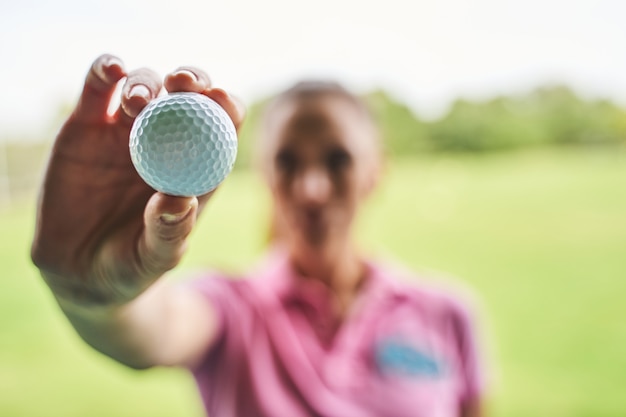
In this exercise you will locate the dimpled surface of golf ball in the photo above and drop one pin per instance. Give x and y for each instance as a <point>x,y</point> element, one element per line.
<point>183,144</point>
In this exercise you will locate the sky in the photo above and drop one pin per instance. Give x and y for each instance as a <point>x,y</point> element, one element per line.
<point>424,53</point>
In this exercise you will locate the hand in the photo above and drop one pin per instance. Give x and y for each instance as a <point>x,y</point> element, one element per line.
<point>103,235</point>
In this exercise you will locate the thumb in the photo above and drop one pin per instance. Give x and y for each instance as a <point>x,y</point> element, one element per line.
<point>168,220</point>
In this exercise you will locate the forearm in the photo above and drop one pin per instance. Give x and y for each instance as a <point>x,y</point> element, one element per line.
<point>127,333</point>
<point>166,325</point>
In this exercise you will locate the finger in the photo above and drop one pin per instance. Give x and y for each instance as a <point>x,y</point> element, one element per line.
<point>141,86</point>
<point>187,79</point>
<point>99,87</point>
<point>168,220</point>
<point>231,104</point>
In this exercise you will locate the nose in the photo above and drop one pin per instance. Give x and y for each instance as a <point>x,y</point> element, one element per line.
<point>313,187</point>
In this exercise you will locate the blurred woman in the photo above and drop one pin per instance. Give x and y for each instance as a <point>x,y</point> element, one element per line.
<point>317,329</point>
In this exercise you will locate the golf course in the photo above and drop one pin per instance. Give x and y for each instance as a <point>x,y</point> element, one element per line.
<point>538,236</point>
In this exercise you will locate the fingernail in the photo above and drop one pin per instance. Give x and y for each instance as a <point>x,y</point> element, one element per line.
<point>185,72</point>
<point>104,69</point>
<point>139,91</point>
<point>113,61</point>
<point>171,219</point>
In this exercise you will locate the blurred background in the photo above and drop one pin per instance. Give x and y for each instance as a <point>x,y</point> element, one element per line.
<point>505,132</point>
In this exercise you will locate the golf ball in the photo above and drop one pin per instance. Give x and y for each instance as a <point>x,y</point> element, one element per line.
<point>183,144</point>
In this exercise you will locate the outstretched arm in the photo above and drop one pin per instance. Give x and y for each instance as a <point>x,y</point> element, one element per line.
<point>104,238</point>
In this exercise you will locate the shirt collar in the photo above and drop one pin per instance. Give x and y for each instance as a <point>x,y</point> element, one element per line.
<point>279,281</point>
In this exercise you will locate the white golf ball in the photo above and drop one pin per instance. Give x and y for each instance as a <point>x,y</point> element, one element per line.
<point>183,144</point>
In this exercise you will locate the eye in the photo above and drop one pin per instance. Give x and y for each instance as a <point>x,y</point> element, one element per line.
<point>338,159</point>
<point>286,161</point>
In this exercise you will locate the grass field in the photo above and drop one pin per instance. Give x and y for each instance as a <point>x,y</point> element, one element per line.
<point>540,236</point>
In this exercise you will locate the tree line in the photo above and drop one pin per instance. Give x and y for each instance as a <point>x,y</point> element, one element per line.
<point>546,116</point>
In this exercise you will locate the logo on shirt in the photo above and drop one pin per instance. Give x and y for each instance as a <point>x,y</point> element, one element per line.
<point>397,356</point>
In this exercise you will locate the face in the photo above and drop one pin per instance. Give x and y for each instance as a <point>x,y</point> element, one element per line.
<point>321,159</point>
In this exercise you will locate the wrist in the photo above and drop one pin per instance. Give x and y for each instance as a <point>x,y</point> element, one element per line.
<point>78,294</point>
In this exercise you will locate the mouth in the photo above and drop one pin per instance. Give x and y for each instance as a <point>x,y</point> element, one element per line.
<point>313,224</point>
<point>313,217</point>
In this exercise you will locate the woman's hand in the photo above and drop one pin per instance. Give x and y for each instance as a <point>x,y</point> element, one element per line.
<point>103,236</point>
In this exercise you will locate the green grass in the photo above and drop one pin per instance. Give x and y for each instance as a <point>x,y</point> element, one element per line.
<point>539,236</point>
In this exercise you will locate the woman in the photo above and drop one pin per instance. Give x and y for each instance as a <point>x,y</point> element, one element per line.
<point>317,330</point>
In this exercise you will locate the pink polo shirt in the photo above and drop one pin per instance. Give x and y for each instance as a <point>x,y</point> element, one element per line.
<point>403,350</point>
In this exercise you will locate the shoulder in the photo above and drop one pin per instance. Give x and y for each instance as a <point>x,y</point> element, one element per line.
<point>233,291</point>
<point>432,293</point>
<point>215,283</point>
